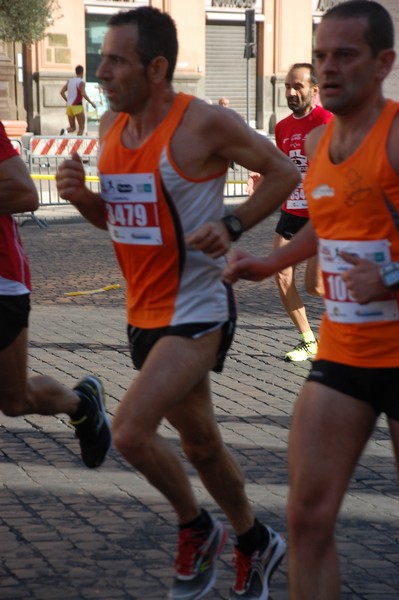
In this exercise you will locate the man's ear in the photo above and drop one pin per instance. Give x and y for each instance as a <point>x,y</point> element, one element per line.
<point>315,91</point>
<point>386,59</point>
<point>157,69</point>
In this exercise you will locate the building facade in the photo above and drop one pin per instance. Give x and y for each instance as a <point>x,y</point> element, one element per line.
<point>241,49</point>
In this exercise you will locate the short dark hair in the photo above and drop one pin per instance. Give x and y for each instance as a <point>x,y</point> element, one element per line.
<point>380,33</point>
<point>79,69</point>
<point>157,34</point>
<point>305,65</point>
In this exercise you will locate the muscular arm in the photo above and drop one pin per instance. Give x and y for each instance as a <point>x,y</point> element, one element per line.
<point>82,88</point>
<point>63,91</point>
<point>220,135</point>
<point>17,190</point>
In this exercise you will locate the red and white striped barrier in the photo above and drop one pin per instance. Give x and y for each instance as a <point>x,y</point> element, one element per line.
<point>51,146</point>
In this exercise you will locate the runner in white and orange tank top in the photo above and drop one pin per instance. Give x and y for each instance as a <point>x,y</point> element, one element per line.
<point>352,187</point>
<point>162,164</point>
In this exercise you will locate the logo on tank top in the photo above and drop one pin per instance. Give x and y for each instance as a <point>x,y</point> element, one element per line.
<point>323,191</point>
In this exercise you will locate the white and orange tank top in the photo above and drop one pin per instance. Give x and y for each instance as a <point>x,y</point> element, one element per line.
<point>74,95</point>
<point>151,206</point>
<point>354,206</point>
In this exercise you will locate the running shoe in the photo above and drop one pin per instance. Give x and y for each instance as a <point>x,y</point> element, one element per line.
<point>195,563</point>
<point>303,351</point>
<point>62,132</point>
<point>93,429</point>
<point>253,573</point>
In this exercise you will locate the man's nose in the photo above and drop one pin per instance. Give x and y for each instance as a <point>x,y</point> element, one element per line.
<point>101,71</point>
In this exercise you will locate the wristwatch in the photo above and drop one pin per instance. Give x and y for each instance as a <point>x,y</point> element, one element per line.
<point>234,226</point>
<point>390,275</point>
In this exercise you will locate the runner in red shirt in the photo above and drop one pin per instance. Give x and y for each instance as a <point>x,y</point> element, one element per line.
<point>301,91</point>
<point>40,394</point>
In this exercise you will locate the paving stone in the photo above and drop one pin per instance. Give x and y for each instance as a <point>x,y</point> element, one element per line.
<point>68,533</point>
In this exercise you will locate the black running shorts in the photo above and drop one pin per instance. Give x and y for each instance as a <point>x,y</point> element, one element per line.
<point>142,340</point>
<point>14,316</point>
<point>378,386</point>
<point>288,224</point>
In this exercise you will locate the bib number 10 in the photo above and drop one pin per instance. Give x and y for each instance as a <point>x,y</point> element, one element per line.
<point>335,288</point>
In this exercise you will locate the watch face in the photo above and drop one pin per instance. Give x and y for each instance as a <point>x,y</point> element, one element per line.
<point>235,224</point>
<point>390,276</point>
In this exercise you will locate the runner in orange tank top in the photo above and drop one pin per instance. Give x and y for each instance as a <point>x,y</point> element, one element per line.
<point>352,187</point>
<point>162,164</point>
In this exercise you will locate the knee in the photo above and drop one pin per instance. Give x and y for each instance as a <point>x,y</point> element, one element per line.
<point>315,290</point>
<point>130,443</point>
<point>310,522</point>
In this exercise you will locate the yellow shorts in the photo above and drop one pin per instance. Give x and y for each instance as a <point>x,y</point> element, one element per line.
<point>72,111</point>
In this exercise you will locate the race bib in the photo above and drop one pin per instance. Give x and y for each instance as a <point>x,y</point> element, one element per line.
<point>132,208</point>
<point>340,305</point>
<point>297,198</point>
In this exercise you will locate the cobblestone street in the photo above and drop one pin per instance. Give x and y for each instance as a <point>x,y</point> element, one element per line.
<point>69,533</point>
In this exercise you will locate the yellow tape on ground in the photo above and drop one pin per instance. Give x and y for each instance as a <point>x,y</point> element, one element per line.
<point>106,288</point>
<point>49,177</point>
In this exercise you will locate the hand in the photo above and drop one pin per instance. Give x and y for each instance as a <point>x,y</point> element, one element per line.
<point>363,280</point>
<point>252,182</point>
<point>212,238</point>
<point>70,178</point>
<point>242,265</point>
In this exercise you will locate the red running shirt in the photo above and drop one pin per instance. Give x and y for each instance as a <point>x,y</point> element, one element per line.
<point>14,267</point>
<point>290,138</point>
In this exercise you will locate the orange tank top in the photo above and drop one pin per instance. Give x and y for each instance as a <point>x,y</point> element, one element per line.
<point>354,206</point>
<point>151,207</point>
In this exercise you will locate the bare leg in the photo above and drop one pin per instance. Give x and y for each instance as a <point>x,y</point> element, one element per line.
<point>289,294</point>
<point>174,383</point>
<point>328,434</point>
<point>204,447</point>
<point>40,394</point>
<point>72,124</point>
<point>81,122</point>
<point>313,278</point>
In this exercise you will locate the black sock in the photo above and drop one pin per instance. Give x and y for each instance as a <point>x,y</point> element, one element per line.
<point>203,521</point>
<point>83,408</point>
<point>256,539</point>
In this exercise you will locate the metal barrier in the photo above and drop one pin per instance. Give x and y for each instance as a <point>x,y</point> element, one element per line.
<point>17,145</point>
<point>45,153</point>
<point>236,182</point>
